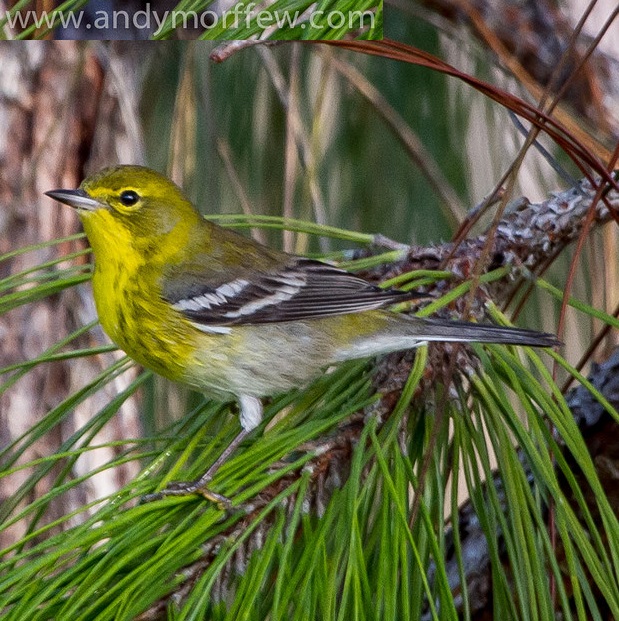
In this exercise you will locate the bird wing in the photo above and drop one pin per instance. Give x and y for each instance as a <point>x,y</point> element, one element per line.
<point>301,289</point>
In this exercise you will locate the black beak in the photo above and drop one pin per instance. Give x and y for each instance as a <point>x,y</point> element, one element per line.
<point>75,198</point>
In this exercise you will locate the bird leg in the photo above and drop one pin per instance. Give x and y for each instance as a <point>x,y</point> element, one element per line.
<point>251,415</point>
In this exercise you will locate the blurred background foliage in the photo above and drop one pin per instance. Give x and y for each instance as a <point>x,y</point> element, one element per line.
<point>233,108</point>
<point>324,135</point>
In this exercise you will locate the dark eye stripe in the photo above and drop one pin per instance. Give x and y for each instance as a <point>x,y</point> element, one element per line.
<point>129,198</point>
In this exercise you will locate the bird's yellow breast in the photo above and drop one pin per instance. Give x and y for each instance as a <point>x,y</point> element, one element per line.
<point>127,295</point>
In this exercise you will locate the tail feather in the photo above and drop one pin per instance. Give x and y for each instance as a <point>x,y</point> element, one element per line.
<point>400,332</point>
<point>463,331</point>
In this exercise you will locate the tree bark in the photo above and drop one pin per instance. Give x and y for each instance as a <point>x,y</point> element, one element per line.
<point>53,98</point>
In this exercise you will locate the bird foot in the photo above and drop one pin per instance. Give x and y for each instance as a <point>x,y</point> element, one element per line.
<point>187,488</point>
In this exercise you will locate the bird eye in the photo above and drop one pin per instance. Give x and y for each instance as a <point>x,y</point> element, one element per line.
<point>129,198</point>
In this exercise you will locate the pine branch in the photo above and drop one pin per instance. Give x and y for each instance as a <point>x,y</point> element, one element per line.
<point>525,237</point>
<point>601,433</point>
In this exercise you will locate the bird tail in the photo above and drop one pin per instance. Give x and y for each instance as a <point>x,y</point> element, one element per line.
<point>463,331</point>
<point>399,332</point>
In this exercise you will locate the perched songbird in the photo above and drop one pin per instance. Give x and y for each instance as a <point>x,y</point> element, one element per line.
<point>204,306</point>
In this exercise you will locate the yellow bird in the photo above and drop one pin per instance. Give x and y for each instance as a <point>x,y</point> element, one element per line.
<point>224,315</point>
